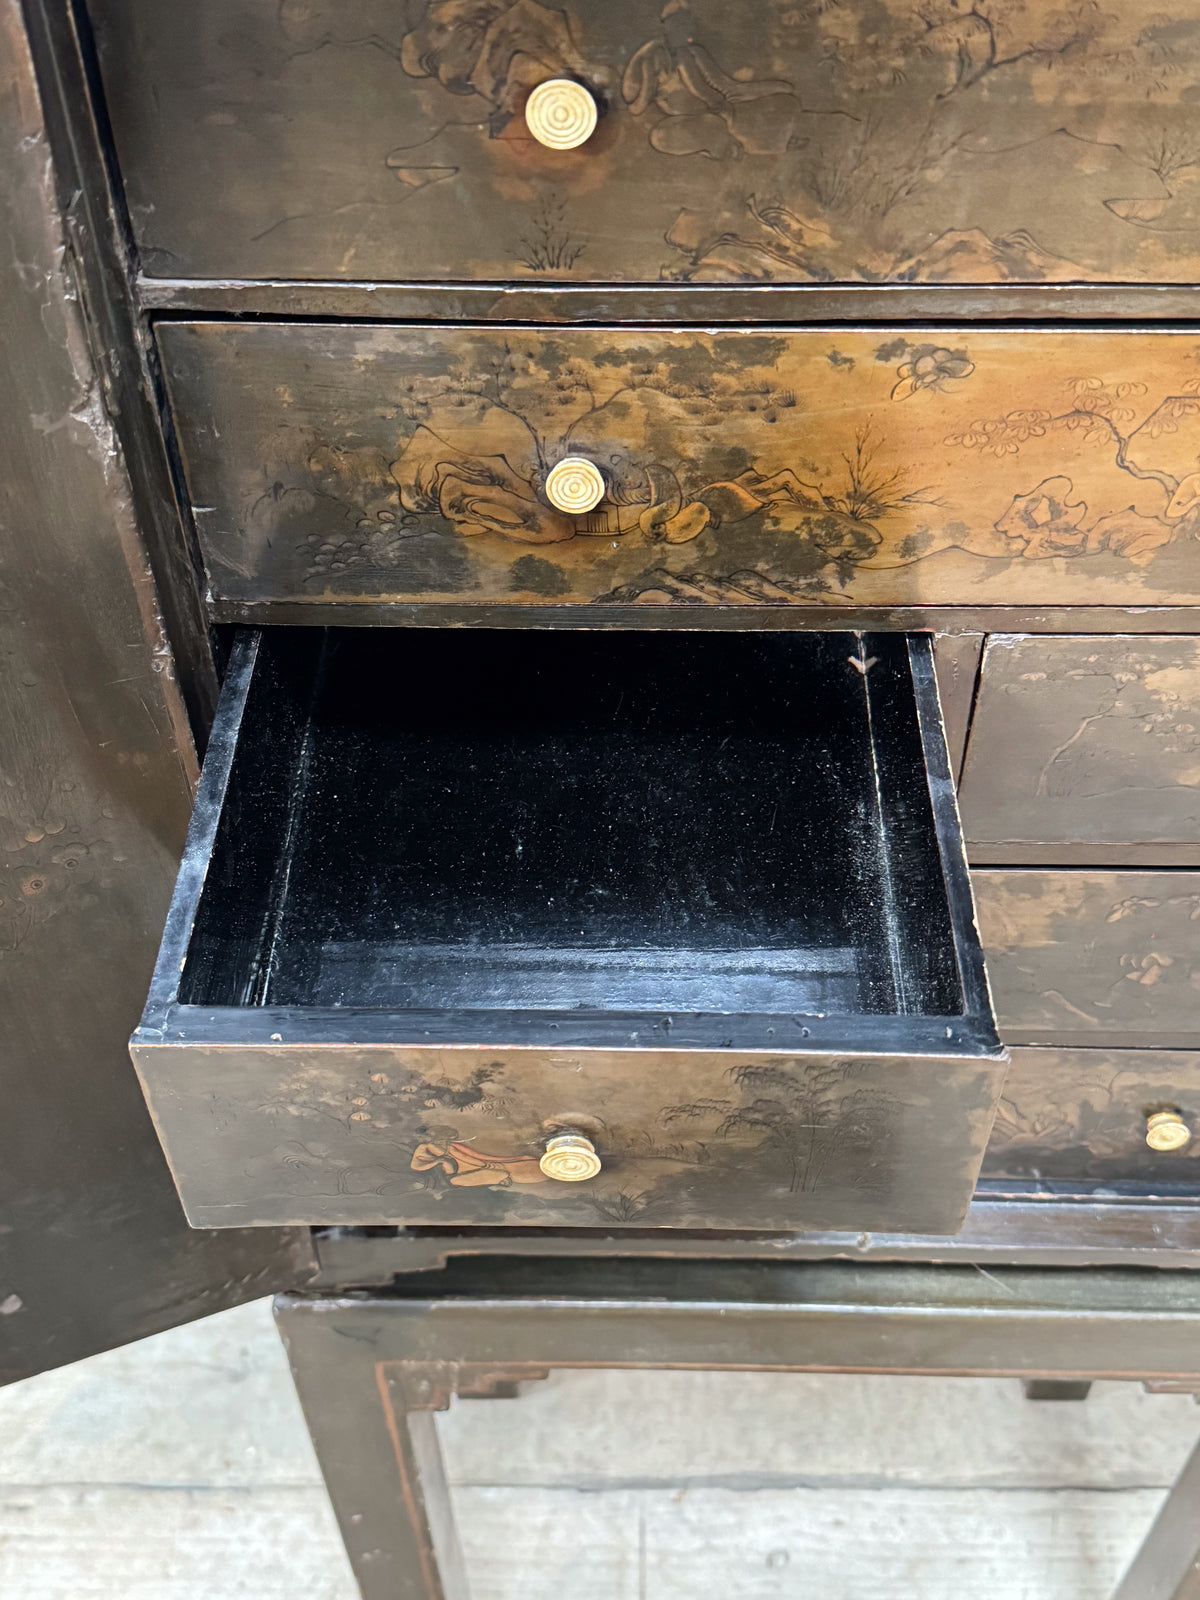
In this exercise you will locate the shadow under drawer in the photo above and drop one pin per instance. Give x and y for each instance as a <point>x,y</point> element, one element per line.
<point>697,899</point>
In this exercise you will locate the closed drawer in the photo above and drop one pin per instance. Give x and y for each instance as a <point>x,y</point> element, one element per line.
<point>740,469</point>
<point>1085,749</point>
<point>1083,1114</point>
<point>1093,957</point>
<point>371,141</point>
<point>697,899</point>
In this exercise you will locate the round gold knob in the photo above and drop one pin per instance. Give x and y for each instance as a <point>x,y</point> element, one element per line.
<point>575,486</point>
<point>561,114</point>
<point>570,1158</point>
<point>1166,1130</point>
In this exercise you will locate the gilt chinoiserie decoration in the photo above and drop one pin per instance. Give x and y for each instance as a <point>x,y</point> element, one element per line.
<point>1097,1116</point>
<point>388,1135</point>
<point>905,141</point>
<point>840,467</point>
<point>574,928</point>
<point>1086,745</point>
<point>1091,956</point>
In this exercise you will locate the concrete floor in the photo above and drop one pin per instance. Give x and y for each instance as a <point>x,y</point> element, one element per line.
<point>179,1469</point>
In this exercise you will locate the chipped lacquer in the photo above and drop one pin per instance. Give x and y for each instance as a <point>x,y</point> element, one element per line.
<point>908,141</point>
<point>1088,957</point>
<point>1086,743</point>
<point>845,467</point>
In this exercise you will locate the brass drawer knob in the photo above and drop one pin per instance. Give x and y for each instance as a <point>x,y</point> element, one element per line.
<point>570,1158</point>
<point>575,486</point>
<point>1166,1130</point>
<point>561,114</point>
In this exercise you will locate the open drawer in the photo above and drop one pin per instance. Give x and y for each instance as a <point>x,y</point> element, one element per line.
<point>585,928</point>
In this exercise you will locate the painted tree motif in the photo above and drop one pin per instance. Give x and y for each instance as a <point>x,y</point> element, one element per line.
<point>1162,448</point>
<point>480,436</point>
<point>741,468</point>
<point>803,1117</point>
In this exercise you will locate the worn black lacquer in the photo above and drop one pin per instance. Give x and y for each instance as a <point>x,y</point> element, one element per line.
<point>700,895</point>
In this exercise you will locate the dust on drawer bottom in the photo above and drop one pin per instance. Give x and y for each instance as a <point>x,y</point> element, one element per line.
<point>589,928</point>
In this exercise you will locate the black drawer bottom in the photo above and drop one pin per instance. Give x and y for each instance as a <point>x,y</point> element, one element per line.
<point>698,898</point>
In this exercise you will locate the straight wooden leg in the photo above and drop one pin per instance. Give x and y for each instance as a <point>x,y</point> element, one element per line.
<point>1167,1567</point>
<point>379,1455</point>
<point>371,1416</point>
<point>372,1370</point>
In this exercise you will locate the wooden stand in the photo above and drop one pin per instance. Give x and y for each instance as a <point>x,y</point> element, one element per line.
<point>371,1371</point>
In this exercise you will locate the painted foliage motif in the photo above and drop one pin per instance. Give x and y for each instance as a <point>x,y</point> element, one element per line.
<point>1092,956</point>
<point>1082,1114</point>
<point>865,467</point>
<point>958,141</point>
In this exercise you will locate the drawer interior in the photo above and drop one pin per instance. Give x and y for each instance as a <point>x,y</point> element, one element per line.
<point>697,897</point>
<point>488,820</point>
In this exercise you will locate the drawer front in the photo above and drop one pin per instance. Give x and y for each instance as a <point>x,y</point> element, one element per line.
<point>685,1139</point>
<point>697,898</point>
<point>1092,957</point>
<point>1088,747</point>
<point>1082,1114</point>
<point>360,139</point>
<point>877,468</point>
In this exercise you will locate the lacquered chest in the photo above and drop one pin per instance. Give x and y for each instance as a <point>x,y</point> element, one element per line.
<point>626,813</point>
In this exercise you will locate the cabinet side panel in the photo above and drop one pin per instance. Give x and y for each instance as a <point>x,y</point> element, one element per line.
<point>94,796</point>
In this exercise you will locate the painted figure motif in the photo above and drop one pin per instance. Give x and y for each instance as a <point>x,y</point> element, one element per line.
<point>811,1133</point>
<point>468,1168</point>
